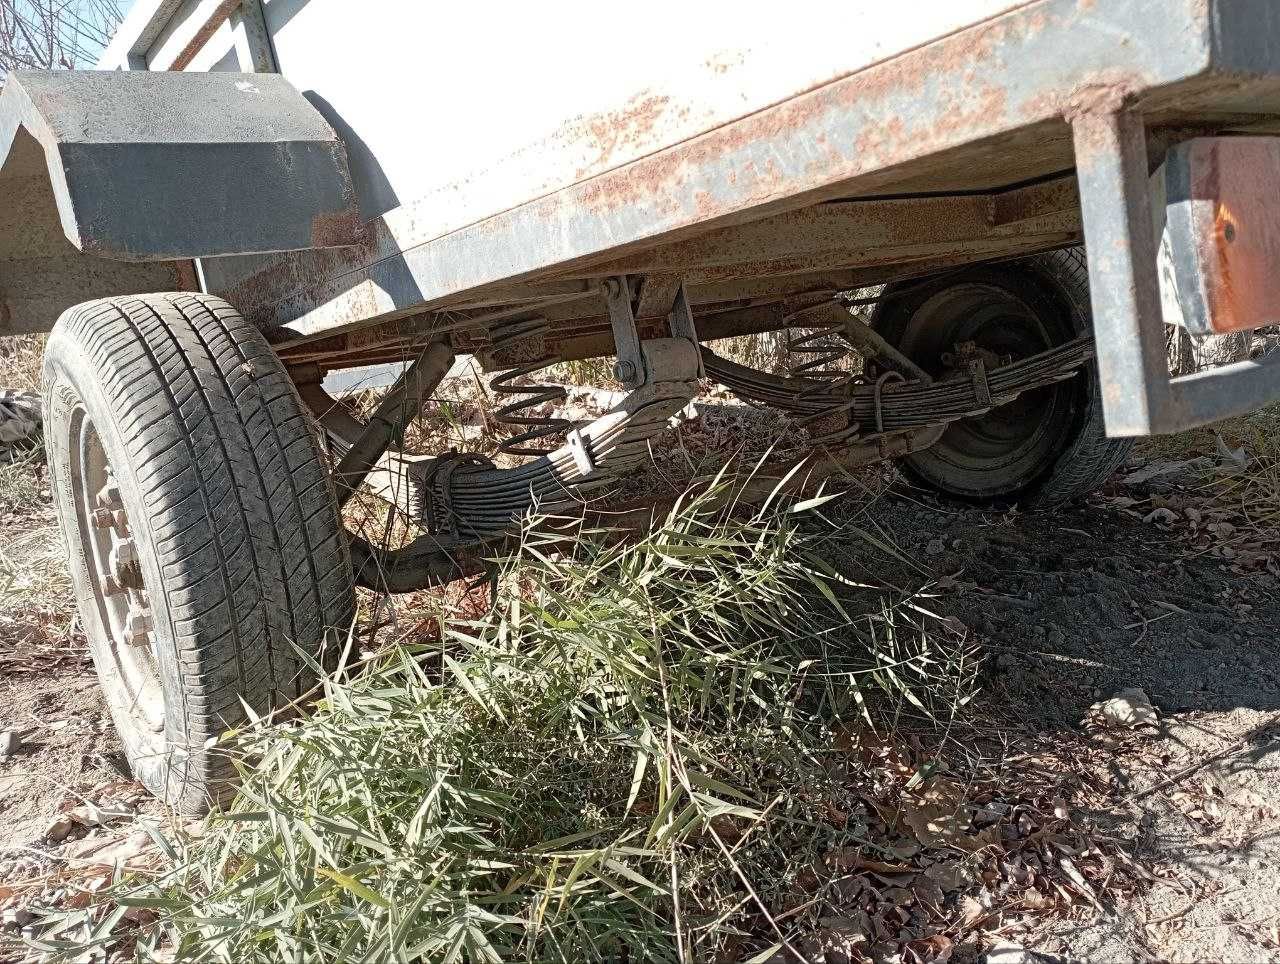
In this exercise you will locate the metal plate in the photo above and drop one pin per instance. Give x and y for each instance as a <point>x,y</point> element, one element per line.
<point>156,166</point>
<point>1222,233</point>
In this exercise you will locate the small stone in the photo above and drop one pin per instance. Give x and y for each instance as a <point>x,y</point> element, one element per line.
<point>1009,952</point>
<point>58,830</point>
<point>935,546</point>
<point>10,743</point>
<point>1131,707</point>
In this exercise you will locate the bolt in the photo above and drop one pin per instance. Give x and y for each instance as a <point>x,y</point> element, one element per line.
<point>109,496</point>
<point>137,627</point>
<point>624,371</point>
<point>124,556</point>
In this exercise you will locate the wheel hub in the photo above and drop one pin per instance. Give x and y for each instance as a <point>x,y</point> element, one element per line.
<point>977,326</point>
<point>114,565</point>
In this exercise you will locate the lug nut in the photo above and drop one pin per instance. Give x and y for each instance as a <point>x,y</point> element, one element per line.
<point>103,519</point>
<point>109,496</point>
<point>125,566</point>
<point>124,556</point>
<point>137,627</point>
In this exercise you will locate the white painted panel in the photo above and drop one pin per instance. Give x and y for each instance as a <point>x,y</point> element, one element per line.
<point>518,99</point>
<point>453,112</point>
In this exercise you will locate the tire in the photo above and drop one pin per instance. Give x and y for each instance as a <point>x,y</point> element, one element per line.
<point>1046,449</point>
<point>175,411</point>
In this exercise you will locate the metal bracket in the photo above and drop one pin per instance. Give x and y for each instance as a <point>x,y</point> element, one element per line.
<point>889,376</point>
<point>680,323</point>
<point>398,407</point>
<point>629,368</point>
<point>872,344</point>
<point>578,448</point>
<point>1139,397</point>
<point>981,387</point>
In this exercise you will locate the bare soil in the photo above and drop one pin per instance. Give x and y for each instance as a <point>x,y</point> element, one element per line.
<point>1073,607</point>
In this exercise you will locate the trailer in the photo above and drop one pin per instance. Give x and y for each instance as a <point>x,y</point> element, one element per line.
<point>251,194</point>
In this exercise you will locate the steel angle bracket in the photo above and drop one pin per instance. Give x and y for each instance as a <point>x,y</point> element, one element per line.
<point>1139,395</point>
<point>631,368</point>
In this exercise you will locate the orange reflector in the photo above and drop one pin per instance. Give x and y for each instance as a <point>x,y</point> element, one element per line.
<point>1223,224</point>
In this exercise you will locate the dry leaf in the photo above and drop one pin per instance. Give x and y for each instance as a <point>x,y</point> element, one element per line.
<point>970,911</point>
<point>1078,881</point>
<point>851,858</point>
<point>939,817</point>
<point>935,949</point>
<point>949,875</point>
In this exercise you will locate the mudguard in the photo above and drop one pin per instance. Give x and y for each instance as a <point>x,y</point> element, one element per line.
<point>100,168</point>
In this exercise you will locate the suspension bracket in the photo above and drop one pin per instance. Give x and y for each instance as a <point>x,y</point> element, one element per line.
<point>629,367</point>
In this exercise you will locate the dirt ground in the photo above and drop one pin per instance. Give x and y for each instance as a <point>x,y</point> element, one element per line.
<point>1165,583</point>
<point>1077,606</point>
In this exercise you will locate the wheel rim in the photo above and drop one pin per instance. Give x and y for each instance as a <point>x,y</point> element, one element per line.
<point>110,557</point>
<point>1002,451</point>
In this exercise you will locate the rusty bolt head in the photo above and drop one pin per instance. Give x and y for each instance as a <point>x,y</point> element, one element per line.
<point>109,496</point>
<point>624,371</point>
<point>124,556</point>
<point>137,627</point>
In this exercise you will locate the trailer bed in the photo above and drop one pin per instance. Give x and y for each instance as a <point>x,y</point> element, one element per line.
<point>475,197</point>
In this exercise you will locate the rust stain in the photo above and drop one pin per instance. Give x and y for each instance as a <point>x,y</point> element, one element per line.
<point>671,185</point>
<point>335,229</point>
<point>653,180</point>
<point>617,130</point>
<point>185,274</point>
<point>1238,243</point>
<point>217,17</point>
<point>1106,94</point>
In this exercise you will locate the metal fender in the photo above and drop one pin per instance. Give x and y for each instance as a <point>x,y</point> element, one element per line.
<point>103,172</point>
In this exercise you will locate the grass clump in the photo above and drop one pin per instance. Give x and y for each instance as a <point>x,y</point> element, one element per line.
<point>629,757</point>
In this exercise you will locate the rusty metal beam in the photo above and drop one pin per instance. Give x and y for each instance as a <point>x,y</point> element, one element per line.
<point>845,233</point>
<point>981,107</point>
<point>657,295</point>
<point>179,49</point>
<point>862,240</point>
